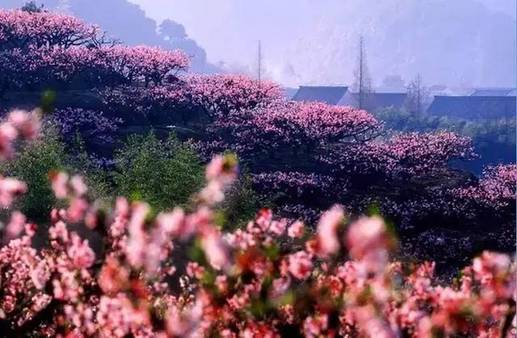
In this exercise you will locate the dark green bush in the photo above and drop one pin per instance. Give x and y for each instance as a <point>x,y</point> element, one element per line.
<point>163,173</point>
<point>96,177</point>
<point>240,205</point>
<point>32,164</point>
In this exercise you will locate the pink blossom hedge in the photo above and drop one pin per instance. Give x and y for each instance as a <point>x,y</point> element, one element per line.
<point>45,48</point>
<point>177,274</point>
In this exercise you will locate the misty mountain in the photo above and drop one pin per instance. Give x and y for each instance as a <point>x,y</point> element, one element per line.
<point>459,43</point>
<point>454,43</point>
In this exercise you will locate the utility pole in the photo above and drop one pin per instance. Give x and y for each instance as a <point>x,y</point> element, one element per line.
<point>362,78</point>
<point>361,73</point>
<point>259,61</point>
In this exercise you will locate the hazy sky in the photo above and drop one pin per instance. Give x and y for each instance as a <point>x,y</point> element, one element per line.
<point>458,42</point>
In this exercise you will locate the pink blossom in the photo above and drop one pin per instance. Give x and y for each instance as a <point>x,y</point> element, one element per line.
<point>80,253</point>
<point>300,264</point>
<point>315,326</point>
<point>77,210</point>
<point>9,189</point>
<point>215,251</point>
<point>296,230</point>
<point>60,184</point>
<point>172,223</point>
<point>215,168</point>
<point>194,270</point>
<point>15,225</point>
<point>135,249</point>
<point>277,227</point>
<point>8,134</point>
<point>40,275</point>
<point>27,124</point>
<point>59,231</point>
<point>327,231</point>
<point>213,193</point>
<point>113,276</point>
<point>368,240</point>
<point>78,186</point>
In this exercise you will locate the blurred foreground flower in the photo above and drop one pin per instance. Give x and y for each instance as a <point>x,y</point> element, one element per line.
<point>177,274</point>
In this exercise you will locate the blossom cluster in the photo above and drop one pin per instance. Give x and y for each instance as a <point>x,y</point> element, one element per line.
<point>177,274</point>
<point>215,95</point>
<point>496,189</point>
<point>302,156</point>
<point>21,29</point>
<point>45,48</point>
<point>93,124</point>
<point>220,94</point>
<point>415,153</point>
<point>272,135</point>
<point>295,183</point>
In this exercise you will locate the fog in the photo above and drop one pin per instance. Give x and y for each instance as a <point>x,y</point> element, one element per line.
<point>456,43</point>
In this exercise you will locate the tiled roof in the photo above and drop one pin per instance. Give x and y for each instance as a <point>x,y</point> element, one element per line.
<point>327,94</point>
<point>473,106</point>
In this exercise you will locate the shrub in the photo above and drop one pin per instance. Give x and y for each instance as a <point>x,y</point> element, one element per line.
<point>33,165</point>
<point>240,205</point>
<point>93,169</point>
<point>164,173</point>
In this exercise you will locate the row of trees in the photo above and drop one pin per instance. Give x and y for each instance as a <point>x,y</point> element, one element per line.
<point>122,267</point>
<point>290,144</point>
<point>43,49</point>
<point>277,137</point>
<point>273,278</point>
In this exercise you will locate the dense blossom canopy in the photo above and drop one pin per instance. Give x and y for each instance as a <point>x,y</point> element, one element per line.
<point>222,93</point>
<point>272,278</point>
<point>71,122</point>
<point>43,48</point>
<point>23,29</point>
<point>415,153</point>
<point>496,188</point>
<point>125,271</point>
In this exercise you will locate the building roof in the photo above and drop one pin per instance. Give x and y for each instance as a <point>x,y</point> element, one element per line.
<point>382,100</point>
<point>326,94</point>
<point>289,92</point>
<point>494,92</point>
<point>473,106</point>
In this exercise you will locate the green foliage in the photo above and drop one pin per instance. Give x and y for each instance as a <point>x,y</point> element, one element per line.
<point>402,120</point>
<point>163,173</point>
<point>32,165</point>
<point>48,100</point>
<point>240,204</point>
<point>96,178</point>
<point>492,130</point>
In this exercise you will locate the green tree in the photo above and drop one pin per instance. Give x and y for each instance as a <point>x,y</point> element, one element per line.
<point>240,205</point>
<point>96,177</point>
<point>33,164</point>
<point>163,173</point>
